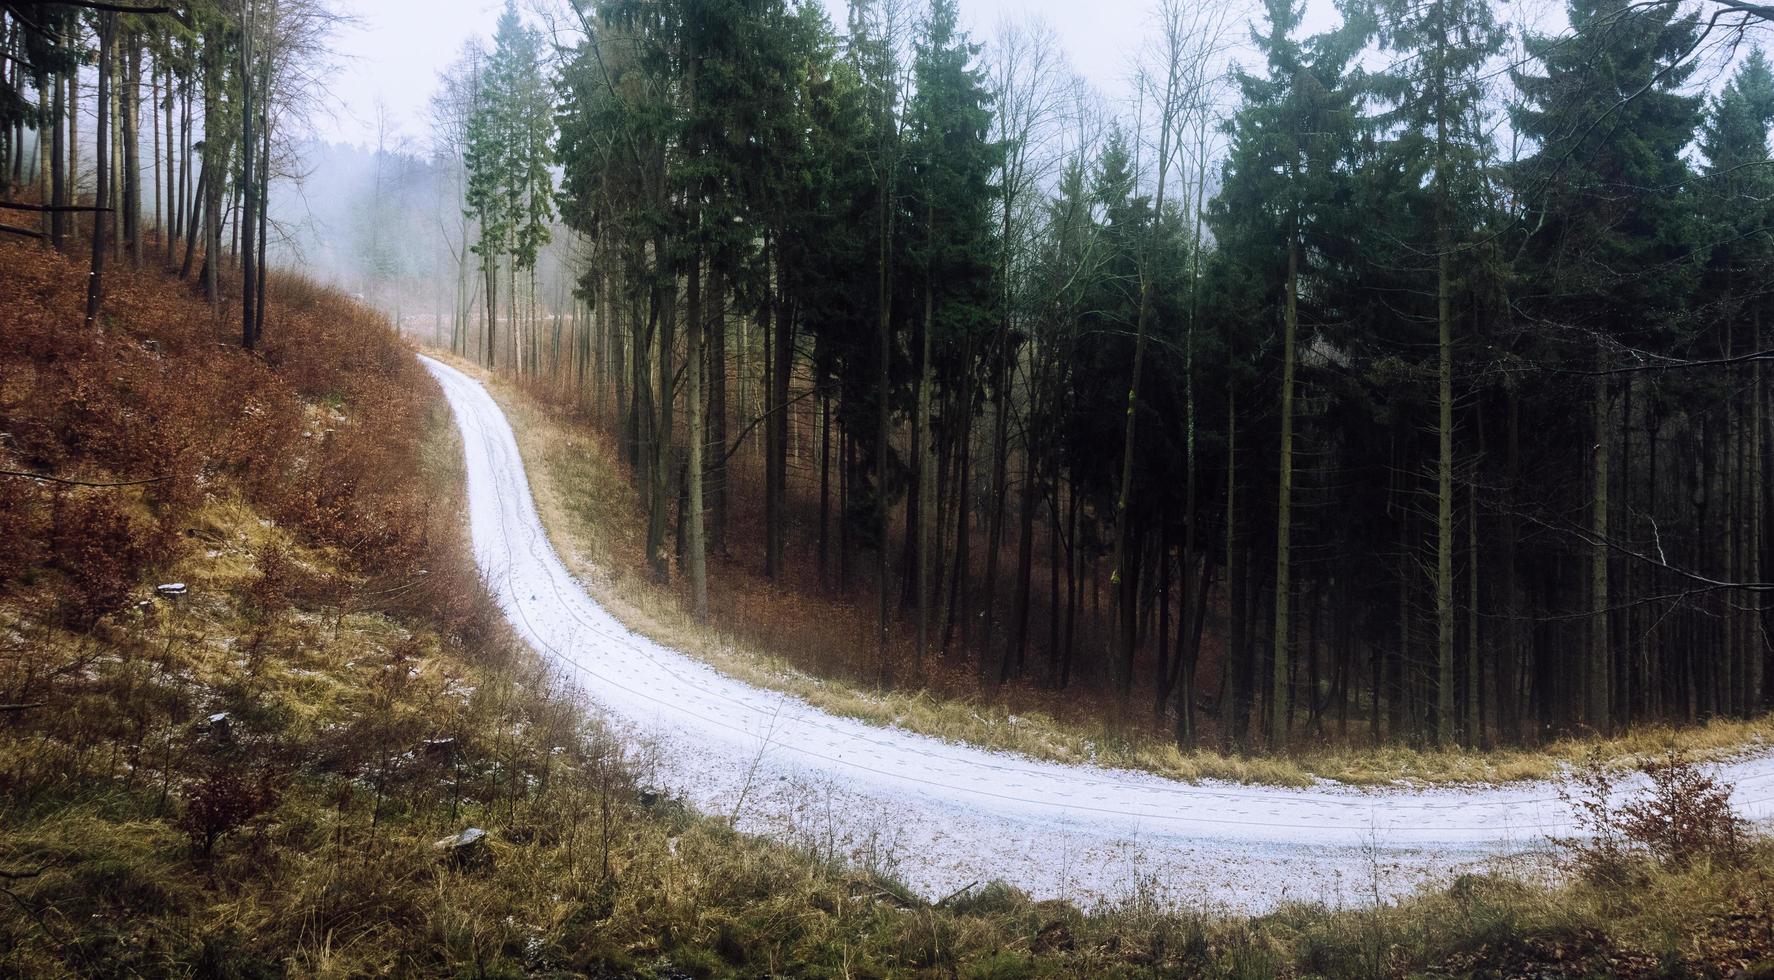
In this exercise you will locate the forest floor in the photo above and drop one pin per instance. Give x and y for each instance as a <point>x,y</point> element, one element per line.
<point>946,815</point>
<point>250,777</point>
<point>808,643</point>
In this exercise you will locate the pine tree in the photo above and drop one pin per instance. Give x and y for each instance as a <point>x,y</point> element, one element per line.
<point>1610,122</point>
<point>1283,200</point>
<point>1737,204</point>
<point>952,161</point>
<point>510,191</point>
<point>1437,93</point>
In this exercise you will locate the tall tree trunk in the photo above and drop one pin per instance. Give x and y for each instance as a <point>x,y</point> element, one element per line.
<point>95,284</point>
<point>214,168</point>
<point>58,175</point>
<point>1600,671</point>
<point>1230,736</point>
<point>782,353</point>
<point>846,469</point>
<point>74,128</point>
<point>1053,593</point>
<point>489,270</point>
<point>1758,502</point>
<point>995,520</point>
<point>43,165</point>
<point>921,442</point>
<point>825,482</point>
<point>189,194</point>
<point>264,195</point>
<point>666,301</point>
<point>1284,505</point>
<point>883,423</point>
<point>1025,557</point>
<point>1475,733</point>
<point>249,150</point>
<point>698,559</point>
<point>192,232</point>
<point>1163,677</point>
<point>1074,572</point>
<point>1444,469</point>
<point>173,173</point>
<point>716,323</point>
<point>160,222</point>
<point>130,102</point>
<point>119,189</point>
<point>957,596</point>
<point>1513,647</point>
<point>773,501</point>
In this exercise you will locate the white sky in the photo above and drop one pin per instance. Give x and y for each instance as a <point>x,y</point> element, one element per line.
<point>395,49</point>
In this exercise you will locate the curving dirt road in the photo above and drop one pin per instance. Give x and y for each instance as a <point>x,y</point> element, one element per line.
<point>942,815</point>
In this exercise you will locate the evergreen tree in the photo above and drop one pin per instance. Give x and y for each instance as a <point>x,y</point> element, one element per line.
<point>1737,204</point>
<point>1283,211</point>
<point>1437,94</point>
<point>510,191</point>
<point>954,237</point>
<point>1608,241</point>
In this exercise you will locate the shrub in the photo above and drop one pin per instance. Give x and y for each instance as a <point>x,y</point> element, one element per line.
<point>20,533</point>
<point>1685,817</point>
<point>269,592</point>
<point>1682,816</point>
<point>221,802</point>
<point>100,551</point>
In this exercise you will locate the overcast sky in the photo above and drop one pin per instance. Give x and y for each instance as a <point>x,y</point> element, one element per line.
<point>396,48</point>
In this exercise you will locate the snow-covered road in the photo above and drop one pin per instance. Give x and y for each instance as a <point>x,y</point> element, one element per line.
<point>942,815</point>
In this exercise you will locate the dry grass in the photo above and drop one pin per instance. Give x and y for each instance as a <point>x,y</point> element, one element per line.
<point>819,648</point>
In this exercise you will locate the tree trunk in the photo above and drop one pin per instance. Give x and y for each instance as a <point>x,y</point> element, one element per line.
<point>825,483</point>
<point>1444,470</point>
<point>191,229</point>
<point>264,195</point>
<point>249,149</point>
<point>95,284</point>
<point>716,326</point>
<point>1230,736</point>
<point>58,175</point>
<point>1284,506</point>
<point>698,559</point>
<point>1475,733</point>
<point>173,173</point>
<point>1756,680</point>
<point>782,352</point>
<point>666,301</point>
<point>995,520</point>
<point>154,142</point>
<point>921,442</point>
<point>44,102</point>
<point>132,152</point>
<point>74,129</point>
<point>1025,557</point>
<point>1599,672</point>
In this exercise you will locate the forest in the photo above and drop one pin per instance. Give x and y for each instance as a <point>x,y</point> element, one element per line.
<point>1400,381</point>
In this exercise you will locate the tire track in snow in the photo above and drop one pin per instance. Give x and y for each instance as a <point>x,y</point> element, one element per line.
<point>941,815</point>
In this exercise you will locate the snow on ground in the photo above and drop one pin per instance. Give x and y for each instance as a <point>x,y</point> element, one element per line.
<point>941,815</point>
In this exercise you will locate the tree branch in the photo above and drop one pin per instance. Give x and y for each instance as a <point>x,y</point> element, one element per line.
<point>80,483</point>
